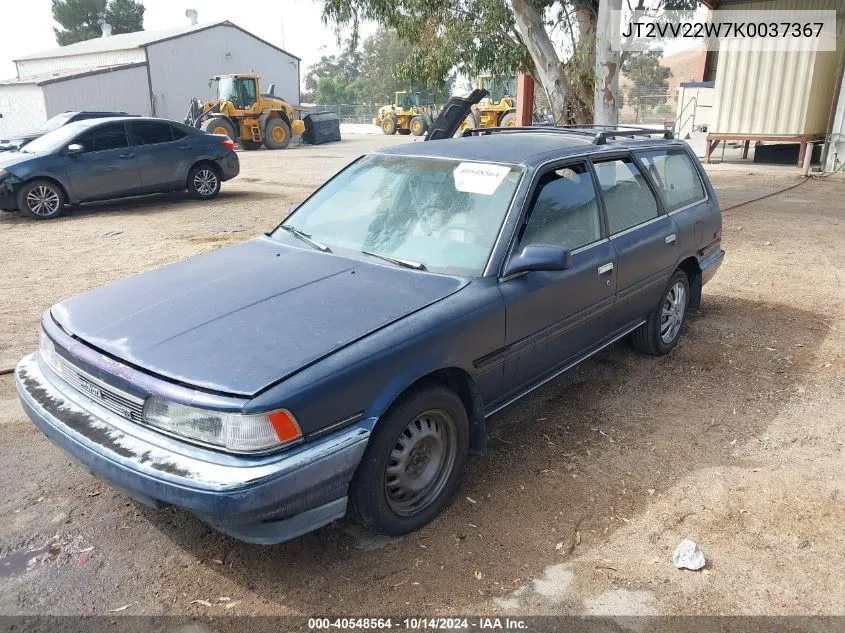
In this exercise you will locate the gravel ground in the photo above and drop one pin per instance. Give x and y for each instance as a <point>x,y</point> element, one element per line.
<point>733,440</point>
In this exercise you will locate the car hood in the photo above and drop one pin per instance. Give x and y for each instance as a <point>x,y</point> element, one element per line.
<point>19,139</point>
<point>242,318</point>
<point>10,159</point>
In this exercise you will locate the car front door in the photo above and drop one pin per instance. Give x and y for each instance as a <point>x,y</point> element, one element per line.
<point>553,317</point>
<point>107,167</point>
<point>163,154</point>
<point>645,240</point>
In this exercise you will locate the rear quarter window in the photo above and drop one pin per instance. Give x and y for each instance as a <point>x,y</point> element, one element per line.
<point>674,176</point>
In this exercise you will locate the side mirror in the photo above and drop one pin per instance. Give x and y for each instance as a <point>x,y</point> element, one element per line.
<point>539,257</point>
<point>75,148</point>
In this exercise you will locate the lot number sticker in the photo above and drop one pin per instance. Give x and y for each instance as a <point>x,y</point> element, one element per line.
<point>483,178</point>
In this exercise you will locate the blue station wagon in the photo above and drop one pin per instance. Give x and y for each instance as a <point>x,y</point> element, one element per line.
<point>347,360</point>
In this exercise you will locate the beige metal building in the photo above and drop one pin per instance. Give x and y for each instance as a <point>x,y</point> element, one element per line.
<point>777,96</point>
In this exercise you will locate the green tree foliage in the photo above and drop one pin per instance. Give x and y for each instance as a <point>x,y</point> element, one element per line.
<point>83,19</point>
<point>385,64</point>
<point>125,16</point>
<point>650,86</point>
<point>553,39</point>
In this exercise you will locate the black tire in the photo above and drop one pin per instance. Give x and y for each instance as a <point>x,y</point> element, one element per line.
<point>219,125</point>
<point>41,200</point>
<point>650,336</point>
<point>388,125</point>
<point>418,125</point>
<point>508,119</point>
<point>276,134</point>
<point>204,181</point>
<point>250,145</point>
<point>432,411</point>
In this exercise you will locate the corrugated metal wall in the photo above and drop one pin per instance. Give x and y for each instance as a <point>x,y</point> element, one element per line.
<point>124,90</point>
<point>22,107</point>
<point>27,68</point>
<point>786,92</point>
<point>180,68</point>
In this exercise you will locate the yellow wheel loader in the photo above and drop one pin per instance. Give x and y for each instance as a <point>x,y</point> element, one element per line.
<point>405,115</point>
<point>245,115</point>
<point>489,112</point>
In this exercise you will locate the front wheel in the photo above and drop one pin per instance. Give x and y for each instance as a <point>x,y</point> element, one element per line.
<point>418,125</point>
<point>413,463</point>
<point>388,125</point>
<point>276,134</point>
<point>204,182</point>
<point>660,333</point>
<point>41,200</point>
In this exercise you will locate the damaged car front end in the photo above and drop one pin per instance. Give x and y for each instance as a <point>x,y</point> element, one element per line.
<point>110,417</point>
<point>8,190</point>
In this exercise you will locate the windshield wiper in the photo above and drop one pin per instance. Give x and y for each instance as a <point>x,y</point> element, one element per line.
<point>405,263</point>
<point>306,238</point>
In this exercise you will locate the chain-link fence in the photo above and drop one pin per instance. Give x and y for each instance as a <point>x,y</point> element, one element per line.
<point>647,107</point>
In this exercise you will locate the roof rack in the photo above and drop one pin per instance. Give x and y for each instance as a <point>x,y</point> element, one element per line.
<point>598,133</point>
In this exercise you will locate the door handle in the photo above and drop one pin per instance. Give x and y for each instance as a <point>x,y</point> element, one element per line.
<point>184,147</point>
<point>605,268</point>
<point>129,155</point>
<point>670,239</point>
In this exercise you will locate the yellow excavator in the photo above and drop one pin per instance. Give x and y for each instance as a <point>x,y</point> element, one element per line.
<point>245,115</point>
<point>489,112</point>
<point>405,115</point>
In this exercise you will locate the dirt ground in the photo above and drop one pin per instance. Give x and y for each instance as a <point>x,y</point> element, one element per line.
<point>734,440</point>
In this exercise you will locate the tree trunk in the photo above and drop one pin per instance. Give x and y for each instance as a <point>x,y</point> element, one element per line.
<point>608,65</point>
<point>547,66</point>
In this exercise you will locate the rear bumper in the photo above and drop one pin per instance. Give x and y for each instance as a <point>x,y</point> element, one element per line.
<point>230,165</point>
<point>263,500</point>
<point>710,264</point>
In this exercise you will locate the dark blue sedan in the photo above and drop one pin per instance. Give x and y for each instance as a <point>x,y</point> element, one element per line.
<point>100,159</point>
<point>348,360</point>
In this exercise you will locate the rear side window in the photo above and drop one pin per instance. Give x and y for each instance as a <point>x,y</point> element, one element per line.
<point>565,212</point>
<point>111,136</point>
<point>627,198</point>
<point>151,132</point>
<point>675,177</point>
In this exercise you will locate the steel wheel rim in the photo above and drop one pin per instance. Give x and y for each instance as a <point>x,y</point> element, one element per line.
<point>43,200</point>
<point>221,130</point>
<point>420,463</point>
<point>278,134</point>
<point>205,182</point>
<point>672,314</point>
<point>417,126</point>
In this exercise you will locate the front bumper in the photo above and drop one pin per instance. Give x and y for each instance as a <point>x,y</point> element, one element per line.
<point>262,499</point>
<point>8,198</point>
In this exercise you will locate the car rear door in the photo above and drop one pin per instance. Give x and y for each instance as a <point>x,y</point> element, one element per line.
<point>164,156</point>
<point>107,168</point>
<point>555,316</point>
<point>644,238</point>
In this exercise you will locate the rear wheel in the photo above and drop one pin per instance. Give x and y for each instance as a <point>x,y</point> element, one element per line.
<point>250,145</point>
<point>204,181</point>
<point>418,125</point>
<point>508,120</point>
<point>413,463</point>
<point>41,200</point>
<point>662,329</point>
<point>276,134</point>
<point>388,125</point>
<point>219,125</point>
<point>470,122</point>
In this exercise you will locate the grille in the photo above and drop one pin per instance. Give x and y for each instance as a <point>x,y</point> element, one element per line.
<point>121,403</point>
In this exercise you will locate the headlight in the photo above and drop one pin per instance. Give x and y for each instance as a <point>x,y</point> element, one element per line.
<point>3,173</point>
<point>48,352</point>
<point>233,432</point>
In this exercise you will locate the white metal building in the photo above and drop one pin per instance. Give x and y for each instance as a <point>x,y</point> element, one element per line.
<point>149,73</point>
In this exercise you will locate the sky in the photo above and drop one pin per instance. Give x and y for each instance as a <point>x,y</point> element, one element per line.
<point>294,25</point>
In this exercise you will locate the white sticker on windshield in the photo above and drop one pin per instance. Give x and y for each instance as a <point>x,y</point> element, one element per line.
<point>483,178</point>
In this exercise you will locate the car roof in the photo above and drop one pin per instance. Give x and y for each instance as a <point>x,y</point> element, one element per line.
<point>519,147</point>
<point>86,123</point>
